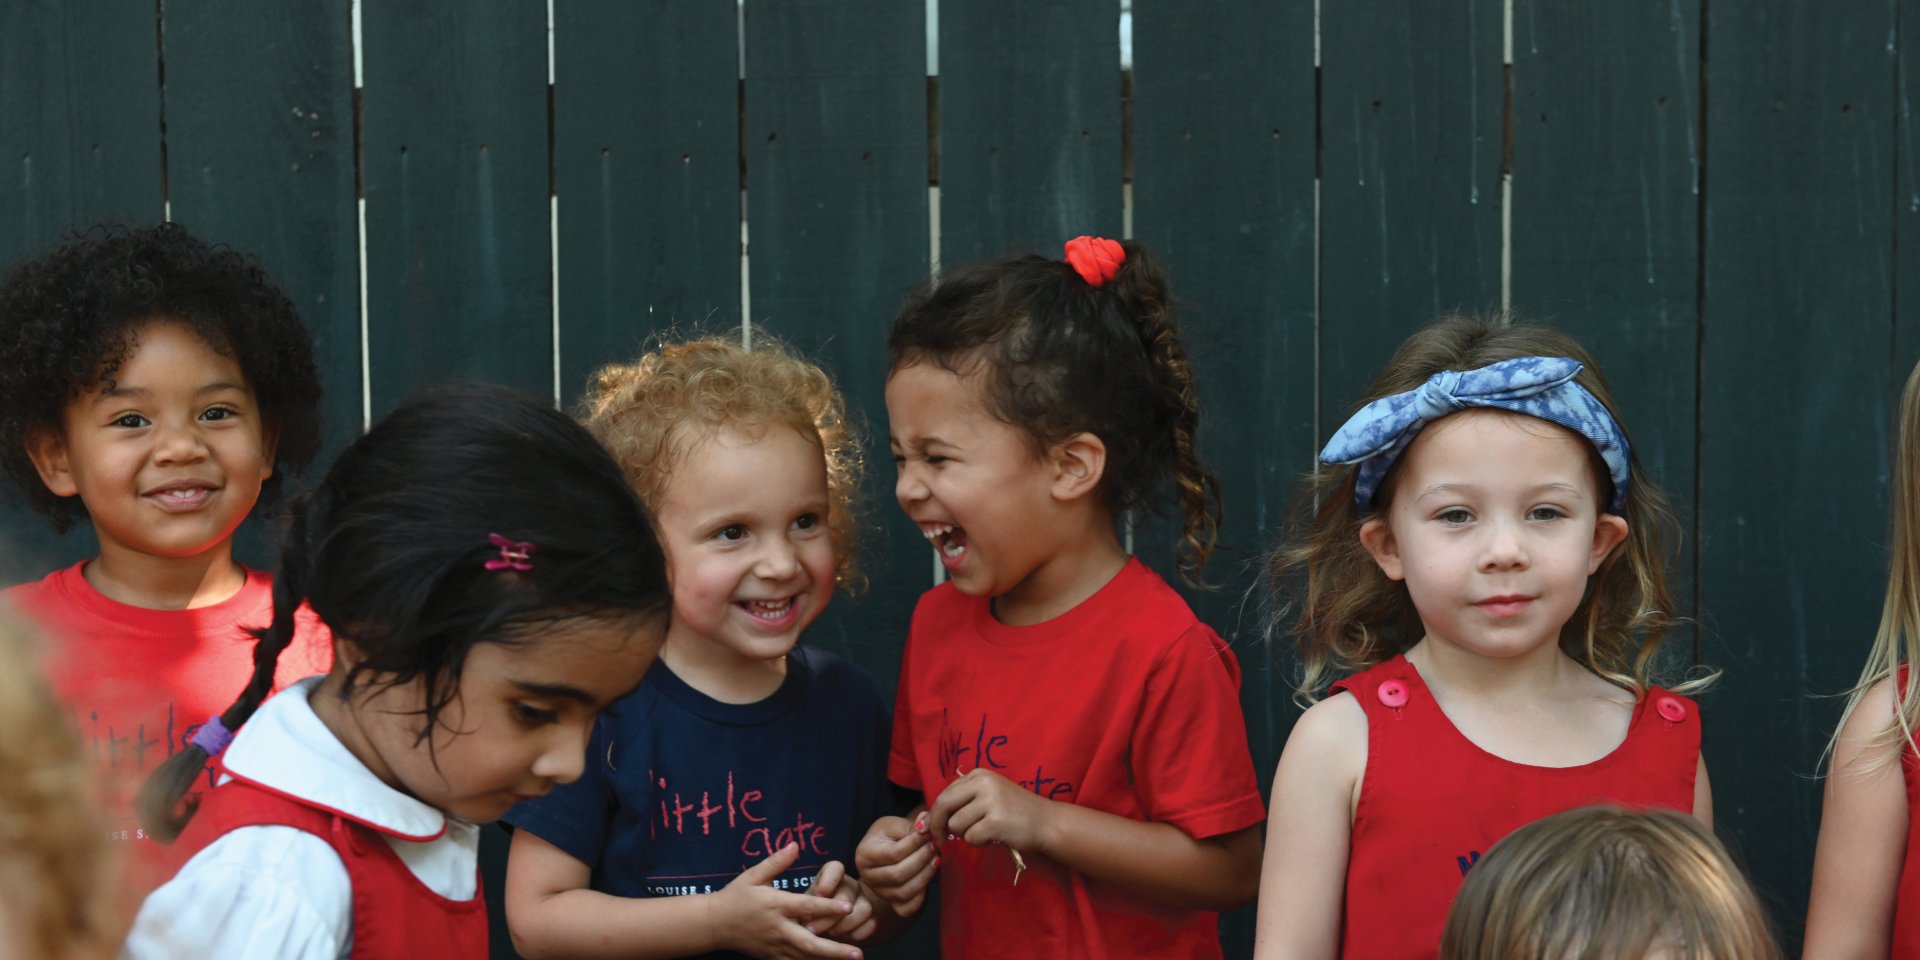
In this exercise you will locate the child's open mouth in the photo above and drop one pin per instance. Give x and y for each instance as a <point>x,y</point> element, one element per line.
<point>771,612</point>
<point>949,540</point>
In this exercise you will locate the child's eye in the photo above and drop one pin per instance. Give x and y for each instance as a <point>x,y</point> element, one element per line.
<point>130,421</point>
<point>934,459</point>
<point>219,413</point>
<point>533,716</point>
<point>1455,516</point>
<point>1545,513</point>
<point>806,521</point>
<point>731,532</point>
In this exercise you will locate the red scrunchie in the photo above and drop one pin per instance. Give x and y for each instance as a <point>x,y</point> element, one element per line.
<point>1096,259</point>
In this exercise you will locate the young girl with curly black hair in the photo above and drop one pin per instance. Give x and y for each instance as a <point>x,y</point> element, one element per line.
<point>156,387</point>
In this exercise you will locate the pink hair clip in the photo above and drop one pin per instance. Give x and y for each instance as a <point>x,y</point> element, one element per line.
<point>514,554</point>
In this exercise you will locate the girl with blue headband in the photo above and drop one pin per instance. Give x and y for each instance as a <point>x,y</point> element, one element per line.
<point>1485,564</point>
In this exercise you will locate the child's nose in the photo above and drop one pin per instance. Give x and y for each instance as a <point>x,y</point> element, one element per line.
<point>178,443</point>
<point>564,758</point>
<point>907,487</point>
<point>1504,548</point>
<point>778,560</point>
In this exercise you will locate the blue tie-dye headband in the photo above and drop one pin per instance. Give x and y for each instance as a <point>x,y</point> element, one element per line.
<point>1540,387</point>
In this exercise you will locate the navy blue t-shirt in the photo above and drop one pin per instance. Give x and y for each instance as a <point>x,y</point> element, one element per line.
<point>681,793</point>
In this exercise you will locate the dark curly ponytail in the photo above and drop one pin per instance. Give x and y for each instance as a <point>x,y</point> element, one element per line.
<point>1064,356</point>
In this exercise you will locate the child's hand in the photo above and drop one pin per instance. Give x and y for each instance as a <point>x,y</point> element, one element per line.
<point>833,882</point>
<point>983,807</point>
<point>897,860</point>
<point>756,919</point>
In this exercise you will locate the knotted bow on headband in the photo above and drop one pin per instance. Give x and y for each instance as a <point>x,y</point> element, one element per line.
<point>1540,387</point>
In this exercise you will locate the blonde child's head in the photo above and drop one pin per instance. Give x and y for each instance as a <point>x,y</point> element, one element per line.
<point>1605,883</point>
<point>653,412</point>
<point>53,856</point>
<point>1351,615</point>
<point>1897,642</point>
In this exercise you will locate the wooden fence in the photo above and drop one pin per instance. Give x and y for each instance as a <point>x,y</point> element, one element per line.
<point>1709,194</point>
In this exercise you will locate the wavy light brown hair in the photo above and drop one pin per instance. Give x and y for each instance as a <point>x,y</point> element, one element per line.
<point>1347,615</point>
<point>649,413</point>
<point>1897,642</point>
<point>54,860</point>
<point>1605,883</point>
<point>1063,357</point>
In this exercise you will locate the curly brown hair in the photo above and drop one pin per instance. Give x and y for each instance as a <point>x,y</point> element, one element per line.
<point>69,318</point>
<point>650,411</point>
<point>1063,357</point>
<point>1347,615</point>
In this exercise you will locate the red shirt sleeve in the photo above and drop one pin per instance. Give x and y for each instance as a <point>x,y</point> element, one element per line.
<point>1190,756</point>
<point>902,769</point>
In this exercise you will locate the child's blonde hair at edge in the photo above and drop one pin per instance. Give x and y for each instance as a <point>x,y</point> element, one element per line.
<point>649,413</point>
<point>1606,883</point>
<point>1897,642</point>
<point>54,858</point>
<point>1351,616</point>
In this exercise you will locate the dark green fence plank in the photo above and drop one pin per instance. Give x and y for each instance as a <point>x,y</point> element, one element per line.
<point>459,278</point>
<point>647,160</point>
<point>260,157</point>
<point>1223,148</point>
<point>80,136</point>
<point>837,212</point>
<point>1029,125</point>
<point>1794,405</point>
<point>1906,210</point>
<point>1411,105</point>
<point>1606,211</point>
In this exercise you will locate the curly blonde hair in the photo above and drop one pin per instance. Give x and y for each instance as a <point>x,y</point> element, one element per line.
<point>54,859</point>
<point>1604,882</point>
<point>1351,616</point>
<point>649,412</point>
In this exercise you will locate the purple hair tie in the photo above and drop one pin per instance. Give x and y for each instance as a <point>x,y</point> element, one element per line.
<point>514,554</point>
<point>213,736</point>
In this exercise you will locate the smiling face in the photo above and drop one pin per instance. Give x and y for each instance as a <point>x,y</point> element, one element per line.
<point>170,456</point>
<point>519,724</point>
<point>1495,525</point>
<point>969,480</point>
<point>744,520</point>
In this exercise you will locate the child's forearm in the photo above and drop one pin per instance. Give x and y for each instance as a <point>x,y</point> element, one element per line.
<point>587,924</point>
<point>1157,862</point>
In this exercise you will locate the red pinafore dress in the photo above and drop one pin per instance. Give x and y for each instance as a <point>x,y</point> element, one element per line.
<point>1431,802</point>
<point>395,916</point>
<point>1906,904</point>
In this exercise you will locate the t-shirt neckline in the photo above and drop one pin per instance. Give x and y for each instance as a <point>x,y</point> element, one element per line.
<point>1070,623</point>
<point>768,709</point>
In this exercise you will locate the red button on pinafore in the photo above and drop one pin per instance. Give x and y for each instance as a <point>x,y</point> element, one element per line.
<point>1671,709</point>
<point>1393,693</point>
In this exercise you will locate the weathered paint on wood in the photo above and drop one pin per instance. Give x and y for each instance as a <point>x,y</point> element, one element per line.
<point>1605,244</point>
<point>80,137</point>
<point>1795,382</point>
<point>260,157</point>
<point>1223,148</point>
<point>647,170</point>
<point>836,148</point>
<point>459,260</point>
<point>1410,113</point>
<point>1029,125</point>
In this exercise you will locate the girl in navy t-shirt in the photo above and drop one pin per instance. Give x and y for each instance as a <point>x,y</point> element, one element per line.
<point>722,799</point>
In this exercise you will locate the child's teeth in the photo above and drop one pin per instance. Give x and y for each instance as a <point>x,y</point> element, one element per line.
<point>952,549</point>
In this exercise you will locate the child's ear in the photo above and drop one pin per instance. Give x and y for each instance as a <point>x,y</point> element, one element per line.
<point>1078,463</point>
<point>1377,537</point>
<point>269,447</point>
<point>47,448</point>
<point>1609,532</point>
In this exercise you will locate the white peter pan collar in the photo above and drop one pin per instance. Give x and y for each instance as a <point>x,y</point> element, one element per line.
<point>286,748</point>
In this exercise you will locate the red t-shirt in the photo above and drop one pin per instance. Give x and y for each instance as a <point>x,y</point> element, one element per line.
<point>140,682</point>
<point>1126,704</point>
<point>1431,802</point>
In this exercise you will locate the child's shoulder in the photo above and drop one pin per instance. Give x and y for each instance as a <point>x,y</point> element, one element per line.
<point>833,675</point>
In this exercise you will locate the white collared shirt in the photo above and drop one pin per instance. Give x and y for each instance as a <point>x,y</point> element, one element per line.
<point>273,891</point>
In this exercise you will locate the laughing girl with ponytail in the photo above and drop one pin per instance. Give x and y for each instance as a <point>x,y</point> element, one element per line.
<point>1068,722</point>
<point>490,583</point>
